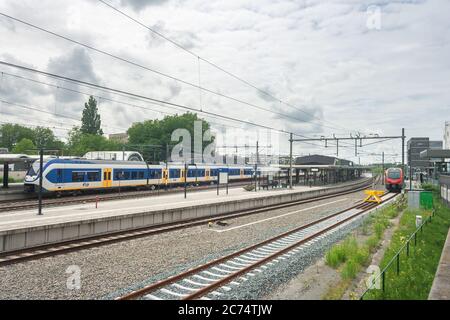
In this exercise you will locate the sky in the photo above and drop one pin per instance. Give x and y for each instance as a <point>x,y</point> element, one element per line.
<point>338,67</point>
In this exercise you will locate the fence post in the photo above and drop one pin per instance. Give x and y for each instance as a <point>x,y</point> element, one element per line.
<point>382,280</point>
<point>415,239</point>
<point>407,248</point>
<point>398,264</point>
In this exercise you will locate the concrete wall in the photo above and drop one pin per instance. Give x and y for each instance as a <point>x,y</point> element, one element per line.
<point>29,237</point>
<point>16,175</point>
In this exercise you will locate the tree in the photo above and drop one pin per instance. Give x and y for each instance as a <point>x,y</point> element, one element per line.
<point>44,137</point>
<point>80,143</point>
<point>25,146</point>
<point>11,134</point>
<point>91,122</point>
<point>159,132</point>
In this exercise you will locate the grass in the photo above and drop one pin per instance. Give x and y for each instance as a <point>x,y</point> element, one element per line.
<point>416,271</point>
<point>349,257</point>
<point>10,180</point>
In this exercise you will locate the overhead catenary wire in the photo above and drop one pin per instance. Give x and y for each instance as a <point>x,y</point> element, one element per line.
<point>156,71</point>
<point>265,92</point>
<point>127,93</point>
<point>113,100</point>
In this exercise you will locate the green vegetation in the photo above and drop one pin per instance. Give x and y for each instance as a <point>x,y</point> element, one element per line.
<point>430,187</point>
<point>89,137</point>
<point>158,132</point>
<point>90,121</point>
<point>349,256</point>
<point>25,146</point>
<point>10,180</point>
<point>416,271</point>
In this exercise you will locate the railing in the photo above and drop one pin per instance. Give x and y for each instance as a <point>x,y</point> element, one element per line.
<point>396,257</point>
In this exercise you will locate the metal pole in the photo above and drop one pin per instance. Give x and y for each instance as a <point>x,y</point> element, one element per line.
<point>403,150</point>
<point>218,181</point>
<point>356,147</point>
<point>256,166</point>
<point>290,161</point>
<point>410,169</point>
<point>382,166</point>
<point>185,179</point>
<point>41,160</point>
<point>167,166</point>
<point>337,147</point>
<point>5,174</point>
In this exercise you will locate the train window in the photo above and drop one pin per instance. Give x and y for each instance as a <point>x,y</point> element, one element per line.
<point>77,176</point>
<point>174,173</point>
<point>93,176</point>
<point>141,174</point>
<point>117,175</point>
<point>126,175</point>
<point>134,175</point>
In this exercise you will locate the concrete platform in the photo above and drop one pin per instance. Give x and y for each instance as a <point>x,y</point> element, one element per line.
<point>13,192</point>
<point>23,229</point>
<point>440,290</point>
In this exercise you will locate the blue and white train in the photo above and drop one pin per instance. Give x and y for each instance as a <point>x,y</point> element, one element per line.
<point>78,175</point>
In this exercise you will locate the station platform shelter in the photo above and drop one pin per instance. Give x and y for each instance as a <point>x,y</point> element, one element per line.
<point>321,170</point>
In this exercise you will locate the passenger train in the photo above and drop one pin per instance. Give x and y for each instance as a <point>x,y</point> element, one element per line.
<point>394,179</point>
<point>77,175</point>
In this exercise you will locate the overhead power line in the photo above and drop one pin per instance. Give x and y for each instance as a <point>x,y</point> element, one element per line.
<point>265,92</point>
<point>93,85</point>
<point>158,72</point>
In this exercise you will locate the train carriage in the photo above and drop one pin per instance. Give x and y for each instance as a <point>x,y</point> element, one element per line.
<point>394,179</point>
<point>78,175</point>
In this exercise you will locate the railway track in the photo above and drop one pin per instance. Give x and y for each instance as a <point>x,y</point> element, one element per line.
<point>12,205</point>
<point>214,279</point>
<point>17,256</point>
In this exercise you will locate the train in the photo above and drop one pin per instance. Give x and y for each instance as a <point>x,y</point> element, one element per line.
<point>79,175</point>
<point>394,179</point>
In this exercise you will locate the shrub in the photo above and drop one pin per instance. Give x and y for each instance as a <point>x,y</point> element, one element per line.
<point>350,269</point>
<point>372,242</point>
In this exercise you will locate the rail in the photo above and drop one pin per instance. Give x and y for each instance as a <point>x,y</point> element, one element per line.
<point>396,257</point>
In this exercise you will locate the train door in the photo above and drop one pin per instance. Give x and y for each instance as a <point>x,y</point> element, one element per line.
<point>165,177</point>
<point>242,173</point>
<point>207,174</point>
<point>107,177</point>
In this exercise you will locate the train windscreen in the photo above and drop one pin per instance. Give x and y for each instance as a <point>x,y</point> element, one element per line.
<point>34,169</point>
<point>394,174</point>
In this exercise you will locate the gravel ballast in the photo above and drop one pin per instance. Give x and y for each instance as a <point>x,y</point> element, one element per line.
<point>110,270</point>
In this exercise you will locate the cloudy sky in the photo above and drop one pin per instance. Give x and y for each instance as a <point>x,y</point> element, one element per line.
<point>338,66</point>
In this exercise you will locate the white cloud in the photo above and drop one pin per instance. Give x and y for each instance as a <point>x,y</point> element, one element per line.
<point>317,55</point>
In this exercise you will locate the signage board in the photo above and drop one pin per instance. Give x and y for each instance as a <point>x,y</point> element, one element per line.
<point>223,177</point>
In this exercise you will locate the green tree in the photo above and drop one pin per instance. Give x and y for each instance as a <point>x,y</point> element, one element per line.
<point>44,137</point>
<point>11,134</point>
<point>80,143</point>
<point>91,122</point>
<point>159,132</point>
<point>25,146</point>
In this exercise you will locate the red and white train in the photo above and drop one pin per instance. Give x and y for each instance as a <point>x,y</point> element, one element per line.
<point>394,179</point>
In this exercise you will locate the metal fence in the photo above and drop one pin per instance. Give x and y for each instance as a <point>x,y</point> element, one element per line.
<point>396,258</point>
